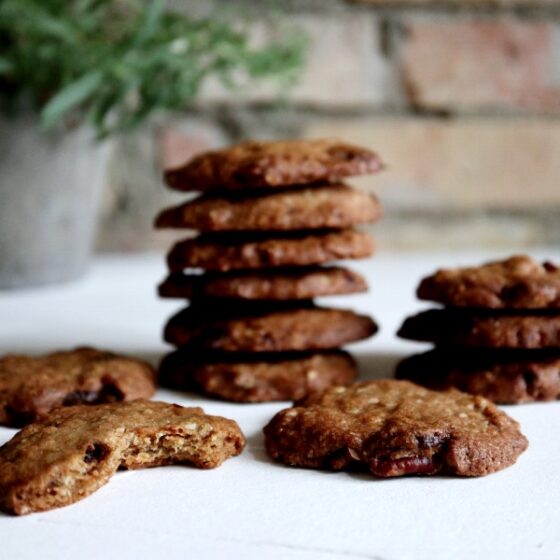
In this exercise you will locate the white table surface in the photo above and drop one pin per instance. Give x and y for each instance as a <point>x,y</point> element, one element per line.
<point>250,507</point>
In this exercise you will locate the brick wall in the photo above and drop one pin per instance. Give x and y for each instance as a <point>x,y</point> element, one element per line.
<point>462,100</point>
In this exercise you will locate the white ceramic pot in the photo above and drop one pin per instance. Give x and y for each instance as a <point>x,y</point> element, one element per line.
<point>50,191</point>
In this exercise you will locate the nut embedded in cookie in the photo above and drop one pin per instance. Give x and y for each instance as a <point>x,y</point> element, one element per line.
<point>395,428</point>
<point>74,451</point>
<point>30,387</point>
<point>518,282</point>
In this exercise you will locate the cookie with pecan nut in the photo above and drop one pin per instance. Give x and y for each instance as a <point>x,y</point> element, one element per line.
<point>251,165</point>
<point>238,251</point>
<point>30,387</point>
<point>395,428</point>
<point>518,282</point>
<point>330,206</point>
<point>74,451</point>
<point>259,377</point>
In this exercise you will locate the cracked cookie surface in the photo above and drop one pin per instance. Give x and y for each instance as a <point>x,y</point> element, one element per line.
<point>395,428</point>
<point>253,164</point>
<point>74,451</point>
<point>30,387</point>
<point>517,282</point>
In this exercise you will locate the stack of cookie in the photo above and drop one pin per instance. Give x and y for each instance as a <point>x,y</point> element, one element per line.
<point>498,336</point>
<point>269,216</point>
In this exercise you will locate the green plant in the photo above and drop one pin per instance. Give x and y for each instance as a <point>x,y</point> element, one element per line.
<point>116,62</point>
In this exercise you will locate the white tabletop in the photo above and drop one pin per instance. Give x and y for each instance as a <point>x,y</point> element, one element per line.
<point>250,507</point>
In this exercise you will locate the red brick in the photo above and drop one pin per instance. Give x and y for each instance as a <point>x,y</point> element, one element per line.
<point>480,65</point>
<point>458,164</point>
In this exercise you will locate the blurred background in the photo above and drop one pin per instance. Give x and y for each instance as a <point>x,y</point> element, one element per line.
<point>460,98</point>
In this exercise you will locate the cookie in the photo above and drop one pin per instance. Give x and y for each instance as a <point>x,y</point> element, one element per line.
<point>31,387</point>
<point>483,329</point>
<point>258,165</point>
<point>74,451</point>
<point>249,378</point>
<point>518,282</point>
<point>235,251</point>
<point>395,428</point>
<point>277,284</point>
<point>504,377</point>
<point>272,329</point>
<point>331,206</point>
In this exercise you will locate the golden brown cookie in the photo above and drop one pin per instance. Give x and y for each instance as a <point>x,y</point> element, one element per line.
<point>74,451</point>
<point>267,328</point>
<point>274,284</point>
<point>273,164</point>
<point>395,428</point>
<point>504,377</point>
<point>256,378</point>
<point>236,251</point>
<point>331,206</point>
<point>518,282</point>
<point>31,387</point>
<point>484,329</point>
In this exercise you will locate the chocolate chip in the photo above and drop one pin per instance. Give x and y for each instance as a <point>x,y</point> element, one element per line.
<point>530,379</point>
<point>80,397</point>
<point>109,393</point>
<point>18,418</point>
<point>95,452</point>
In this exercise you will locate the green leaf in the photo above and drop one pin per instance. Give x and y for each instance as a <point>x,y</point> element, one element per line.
<point>118,62</point>
<point>5,65</point>
<point>70,97</point>
<point>149,22</point>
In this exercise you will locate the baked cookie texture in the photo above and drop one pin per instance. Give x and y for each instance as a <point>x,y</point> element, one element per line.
<point>30,387</point>
<point>330,206</point>
<point>263,377</point>
<point>518,282</point>
<point>498,334</point>
<point>253,165</point>
<point>235,251</point>
<point>280,284</point>
<point>479,329</point>
<point>395,428</point>
<point>507,377</point>
<point>277,330</point>
<point>269,215</point>
<point>74,451</point>
<point>250,377</point>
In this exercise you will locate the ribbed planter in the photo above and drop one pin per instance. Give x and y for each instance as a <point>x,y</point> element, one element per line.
<point>50,192</point>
